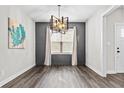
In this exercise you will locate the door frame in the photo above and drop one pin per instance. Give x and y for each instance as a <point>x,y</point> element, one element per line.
<point>104,41</point>
<point>115,31</point>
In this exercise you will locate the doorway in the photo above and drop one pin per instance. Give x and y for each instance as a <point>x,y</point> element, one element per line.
<point>113,21</point>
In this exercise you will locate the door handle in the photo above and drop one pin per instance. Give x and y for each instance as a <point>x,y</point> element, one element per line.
<point>118,51</point>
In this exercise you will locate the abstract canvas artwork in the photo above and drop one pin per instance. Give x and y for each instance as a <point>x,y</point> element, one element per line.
<point>16,34</point>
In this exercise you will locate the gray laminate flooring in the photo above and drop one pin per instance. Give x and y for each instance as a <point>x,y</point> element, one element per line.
<point>65,77</point>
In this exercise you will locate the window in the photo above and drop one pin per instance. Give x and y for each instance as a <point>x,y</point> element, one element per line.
<point>122,32</point>
<point>62,43</point>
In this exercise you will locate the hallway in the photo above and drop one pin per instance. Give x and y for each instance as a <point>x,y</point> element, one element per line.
<point>64,77</point>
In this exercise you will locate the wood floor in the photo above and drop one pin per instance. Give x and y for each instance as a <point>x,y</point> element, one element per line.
<point>65,77</point>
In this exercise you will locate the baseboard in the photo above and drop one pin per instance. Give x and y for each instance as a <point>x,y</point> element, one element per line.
<point>15,75</point>
<point>95,70</point>
<point>111,72</point>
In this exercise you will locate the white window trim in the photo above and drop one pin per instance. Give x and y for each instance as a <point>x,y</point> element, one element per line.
<point>55,53</point>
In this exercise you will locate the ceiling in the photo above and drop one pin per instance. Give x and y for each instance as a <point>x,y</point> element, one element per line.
<point>76,13</point>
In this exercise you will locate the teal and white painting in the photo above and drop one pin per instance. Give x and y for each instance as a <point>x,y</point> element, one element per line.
<point>16,34</point>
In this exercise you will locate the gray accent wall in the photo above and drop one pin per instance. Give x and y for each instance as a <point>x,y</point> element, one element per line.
<point>60,59</point>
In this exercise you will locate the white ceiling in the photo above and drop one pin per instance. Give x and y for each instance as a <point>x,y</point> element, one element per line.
<point>76,13</point>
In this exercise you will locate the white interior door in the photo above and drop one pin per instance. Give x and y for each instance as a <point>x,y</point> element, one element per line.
<point>119,48</point>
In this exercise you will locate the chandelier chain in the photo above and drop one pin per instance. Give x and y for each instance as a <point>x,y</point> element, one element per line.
<point>59,10</point>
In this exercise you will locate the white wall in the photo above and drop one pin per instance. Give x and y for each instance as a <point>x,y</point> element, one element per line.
<point>116,16</point>
<point>15,61</point>
<point>94,42</point>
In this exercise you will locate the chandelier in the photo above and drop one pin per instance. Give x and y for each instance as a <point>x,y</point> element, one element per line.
<point>59,24</point>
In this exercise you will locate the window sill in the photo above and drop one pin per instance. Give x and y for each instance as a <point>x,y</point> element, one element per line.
<point>61,53</point>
